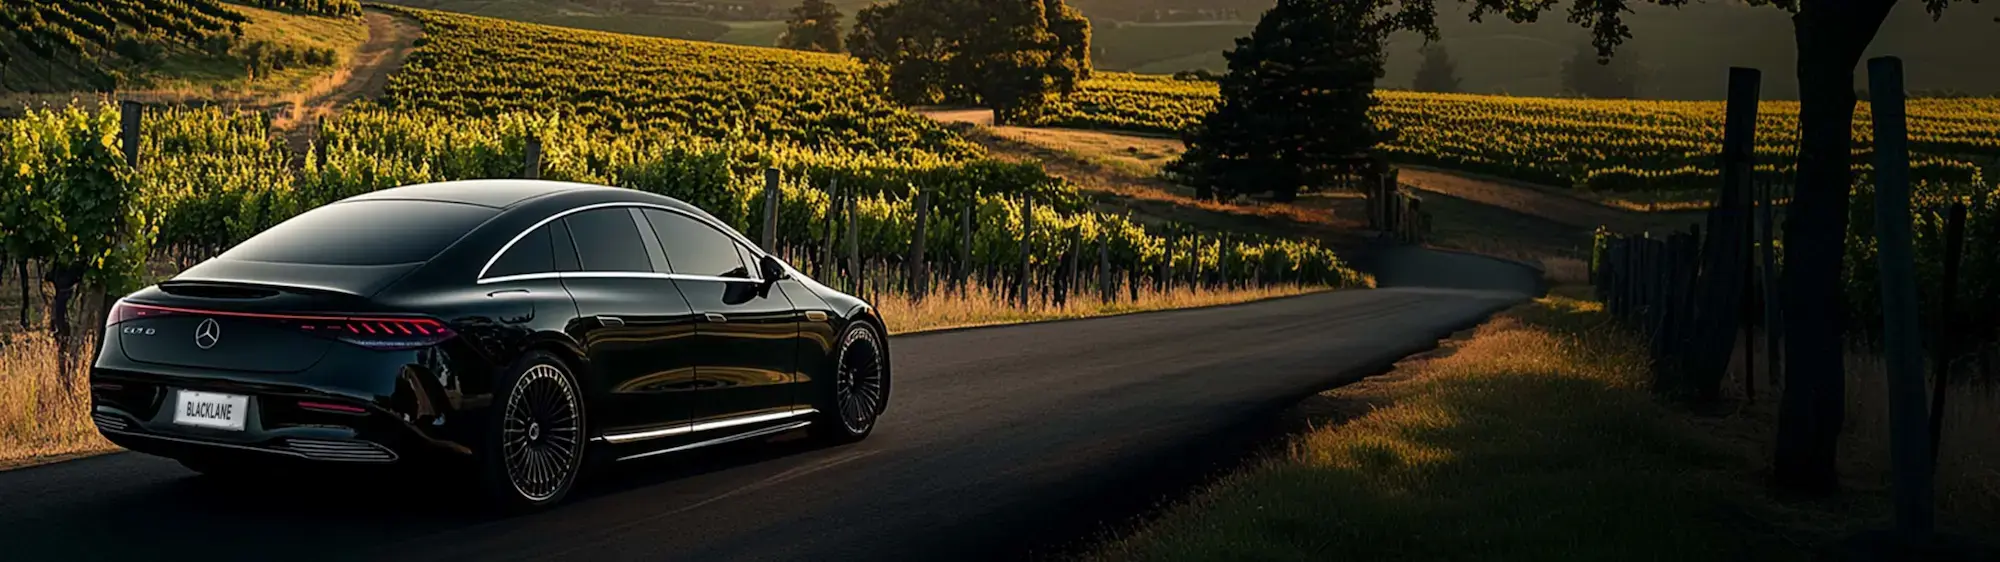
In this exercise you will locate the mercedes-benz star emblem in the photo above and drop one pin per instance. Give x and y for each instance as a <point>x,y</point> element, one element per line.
<point>207,334</point>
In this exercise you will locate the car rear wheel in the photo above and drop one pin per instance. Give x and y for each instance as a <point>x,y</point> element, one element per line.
<point>860,389</point>
<point>535,441</point>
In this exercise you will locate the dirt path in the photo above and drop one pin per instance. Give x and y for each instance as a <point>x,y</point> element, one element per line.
<point>391,37</point>
<point>1540,201</point>
<point>1121,172</point>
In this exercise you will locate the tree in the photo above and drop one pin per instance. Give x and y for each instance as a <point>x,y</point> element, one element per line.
<point>1587,75</point>
<point>1437,73</point>
<point>1830,36</point>
<point>1010,55</point>
<point>1294,103</point>
<point>814,26</point>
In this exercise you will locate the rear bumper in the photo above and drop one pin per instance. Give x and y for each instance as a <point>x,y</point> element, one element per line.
<point>397,416</point>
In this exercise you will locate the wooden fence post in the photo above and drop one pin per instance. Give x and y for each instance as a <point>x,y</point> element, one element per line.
<point>827,263</point>
<point>1027,234</point>
<point>1774,318</point>
<point>965,245</point>
<point>771,194</point>
<point>534,159</point>
<point>1106,282</point>
<point>1947,334</point>
<point>131,121</point>
<point>1901,334</point>
<point>854,275</point>
<point>919,270</point>
<point>1723,257</point>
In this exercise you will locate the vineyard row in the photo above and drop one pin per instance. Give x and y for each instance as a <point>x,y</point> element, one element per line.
<point>209,178</point>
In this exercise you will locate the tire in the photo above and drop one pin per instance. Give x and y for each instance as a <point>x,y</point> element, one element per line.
<point>860,390</point>
<point>535,441</point>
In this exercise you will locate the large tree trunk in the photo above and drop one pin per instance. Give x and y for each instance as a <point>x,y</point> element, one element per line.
<point>1831,37</point>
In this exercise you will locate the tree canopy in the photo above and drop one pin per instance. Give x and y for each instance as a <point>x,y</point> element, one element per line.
<point>1437,73</point>
<point>1011,56</point>
<point>1588,75</point>
<point>814,26</point>
<point>1294,103</point>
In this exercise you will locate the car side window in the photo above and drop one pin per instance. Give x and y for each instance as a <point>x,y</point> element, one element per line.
<point>532,253</point>
<point>694,248</point>
<point>564,247</point>
<point>607,240</point>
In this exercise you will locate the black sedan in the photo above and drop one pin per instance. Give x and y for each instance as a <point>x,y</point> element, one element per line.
<point>519,330</point>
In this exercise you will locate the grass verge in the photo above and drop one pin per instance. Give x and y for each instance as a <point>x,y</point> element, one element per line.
<point>39,419</point>
<point>1532,439</point>
<point>979,305</point>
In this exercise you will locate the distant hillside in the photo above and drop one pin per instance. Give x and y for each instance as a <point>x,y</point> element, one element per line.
<point>186,45</point>
<point>1682,51</point>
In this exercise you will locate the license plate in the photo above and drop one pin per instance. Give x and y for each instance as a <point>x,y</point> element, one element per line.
<point>211,410</point>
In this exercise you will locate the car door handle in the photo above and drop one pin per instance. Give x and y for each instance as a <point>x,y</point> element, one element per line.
<point>520,292</point>
<point>717,318</point>
<point>611,321</point>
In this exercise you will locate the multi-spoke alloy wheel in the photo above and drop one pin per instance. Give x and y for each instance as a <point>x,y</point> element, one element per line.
<point>534,450</point>
<point>541,435</point>
<point>861,381</point>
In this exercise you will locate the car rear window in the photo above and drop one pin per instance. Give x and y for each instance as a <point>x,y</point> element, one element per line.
<point>380,232</point>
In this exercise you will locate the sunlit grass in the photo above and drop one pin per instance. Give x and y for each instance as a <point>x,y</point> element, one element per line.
<point>39,419</point>
<point>979,305</point>
<point>1532,440</point>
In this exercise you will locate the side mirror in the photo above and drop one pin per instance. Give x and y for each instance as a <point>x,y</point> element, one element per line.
<point>771,269</point>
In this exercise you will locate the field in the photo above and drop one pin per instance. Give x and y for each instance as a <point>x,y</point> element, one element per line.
<point>1680,51</point>
<point>1592,145</point>
<point>197,47</point>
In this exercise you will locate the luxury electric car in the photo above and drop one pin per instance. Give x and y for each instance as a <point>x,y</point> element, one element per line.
<point>518,330</point>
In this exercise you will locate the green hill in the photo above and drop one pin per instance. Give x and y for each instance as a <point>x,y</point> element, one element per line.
<point>192,46</point>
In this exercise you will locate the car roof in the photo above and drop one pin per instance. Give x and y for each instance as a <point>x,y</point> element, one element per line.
<point>496,193</point>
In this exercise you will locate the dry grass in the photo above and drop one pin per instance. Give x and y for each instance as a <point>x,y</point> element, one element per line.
<point>1536,439</point>
<point>38,418</point>
<point>978,305</point>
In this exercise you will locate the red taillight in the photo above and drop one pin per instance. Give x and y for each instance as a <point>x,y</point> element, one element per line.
<point>326,407</point>
<point>372,332</point>
<point>122,312</point>
<point>382,333</point>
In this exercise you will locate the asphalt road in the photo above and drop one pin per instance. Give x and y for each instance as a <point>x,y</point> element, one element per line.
<point>1000,442</point>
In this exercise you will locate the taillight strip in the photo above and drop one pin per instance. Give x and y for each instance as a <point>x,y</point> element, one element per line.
<point>353,319</point>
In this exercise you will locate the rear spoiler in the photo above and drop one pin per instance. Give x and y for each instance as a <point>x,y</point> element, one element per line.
<point>355,280</point>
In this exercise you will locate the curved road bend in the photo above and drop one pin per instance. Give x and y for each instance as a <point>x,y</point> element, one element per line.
<point>998,441</point>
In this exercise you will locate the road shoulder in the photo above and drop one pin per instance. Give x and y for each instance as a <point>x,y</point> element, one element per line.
<point>1531,437</point>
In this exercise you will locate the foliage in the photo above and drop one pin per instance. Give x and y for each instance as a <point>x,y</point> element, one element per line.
<point>327,8</point>
<point>1294,104</point>
<point>1620,145</point>
<point>67,198</point>
<point>620,84</point>
<point>1012,56</point>
<point>814,26</point>
<point>1437,73</point>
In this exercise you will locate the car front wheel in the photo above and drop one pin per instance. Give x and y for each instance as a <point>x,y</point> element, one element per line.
<point>860,389</point>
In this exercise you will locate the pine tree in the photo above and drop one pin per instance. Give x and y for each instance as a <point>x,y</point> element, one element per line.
<point>814,26</point>
<point>1295,102</point>
<point>1438,73</point>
